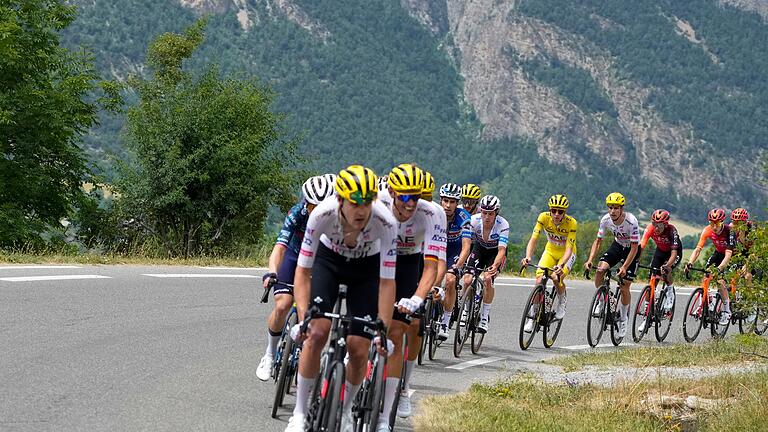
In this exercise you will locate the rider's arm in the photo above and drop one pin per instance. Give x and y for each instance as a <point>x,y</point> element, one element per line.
<point>428,275</point>
<point>697,251</point>
<point>531,247</point>
<point>724,264</point>
<point>301,289</point>
<point>499,258</point>
<point>301,281</point>
<point>388,258</point>
<point>466,248</point>
<point>593,251</point>
<point>276,257</point>
<point>570,245</point>
<point>672,258</point>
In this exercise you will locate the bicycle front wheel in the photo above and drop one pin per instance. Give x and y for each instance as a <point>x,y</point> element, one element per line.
<point>616,315</point>
<point>598,314</point>
<point>283,378</point>
<point>664,317</point>
<point>642,310</point>
<point>761,321</point>
<point>531,311</point>
<point>437,316</point>
<point>464,323</point>
<point>551,326</point>
<point>693,318</point>
<point>424,324</point>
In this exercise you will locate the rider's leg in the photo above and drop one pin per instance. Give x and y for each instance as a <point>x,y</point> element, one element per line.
<point>309,363</point>
<point>397,329</point>
<point>283,303</point>
<point>450,297</point>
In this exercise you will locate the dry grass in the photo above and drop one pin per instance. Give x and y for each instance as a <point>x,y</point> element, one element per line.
<point>109,259</point>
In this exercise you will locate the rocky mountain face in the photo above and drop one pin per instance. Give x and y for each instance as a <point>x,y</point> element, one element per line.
<point>492,39</point>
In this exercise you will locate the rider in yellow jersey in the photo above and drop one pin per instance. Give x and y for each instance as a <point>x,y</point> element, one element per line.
<point>560,252</point>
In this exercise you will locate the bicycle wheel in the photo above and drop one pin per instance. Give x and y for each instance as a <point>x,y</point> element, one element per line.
<point>316,403</point>
<point>370,398</point>
<point>642,310</point>
<point>393,412</point>
<point>761,322</point>
<point>424,324</point>
<point>477,337</point>
<point>598,314</point>
<point>692,320</point>
<point>663,317</point>
<point>719,330</point>
<point>552,326</point>
<point>615,339</point>
<point>531,310</point>
<point>463,326</point>
<point>282,376</point>
<point>437,315</point>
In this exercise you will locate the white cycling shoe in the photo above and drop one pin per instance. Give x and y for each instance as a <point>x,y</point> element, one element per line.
<point>404,405</point>
<point>622,329</point>
<point>528,325</point>
<point>295,424</point>
<point>264,370</point>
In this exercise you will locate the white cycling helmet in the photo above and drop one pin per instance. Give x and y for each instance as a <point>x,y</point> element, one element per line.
<point>316,189</point>
<point>330,178</point>
<point>450,190</point>
<point>489,203</point>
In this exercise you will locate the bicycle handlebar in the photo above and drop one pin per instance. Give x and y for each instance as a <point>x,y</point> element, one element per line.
<point>314,312</point>
<point>617,278</point>
<point>273,282</point>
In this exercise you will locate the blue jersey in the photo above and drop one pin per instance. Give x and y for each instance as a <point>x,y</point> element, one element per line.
<point>292,233</point>
<point>456,231</point>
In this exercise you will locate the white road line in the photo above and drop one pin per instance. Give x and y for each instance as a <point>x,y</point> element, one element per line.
<point>411,392</point>
<point>585,347</point>
<point>234,268</point>
<point>198,275</point>
<point>476,362</point>
<point>52,278</point>
<point>512,285</point>
<point>25,267</point>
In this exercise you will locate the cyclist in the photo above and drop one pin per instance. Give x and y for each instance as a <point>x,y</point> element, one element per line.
<point>560,252</point>
<point>624,249</point>
<point>282,263</point>
<point>720,235</point>
<point>427,195</point>
<point>740,228</point>
<point>490,236</point>
<point>470,194</point>
<point>418,240</point>
<point>669,251</point>
<point>351,240</point>
<point>459,244</point>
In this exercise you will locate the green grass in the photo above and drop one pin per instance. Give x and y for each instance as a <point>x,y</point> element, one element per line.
<point>526,404</point>
<point>734,349</point>
<point>109,259</point>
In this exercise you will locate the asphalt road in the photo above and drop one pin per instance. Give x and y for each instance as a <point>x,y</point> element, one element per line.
<point>133,348</point>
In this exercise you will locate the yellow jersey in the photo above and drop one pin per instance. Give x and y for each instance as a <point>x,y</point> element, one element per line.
<point>558,236</point>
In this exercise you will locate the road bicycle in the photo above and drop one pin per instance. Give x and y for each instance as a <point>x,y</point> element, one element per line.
<point>469,320</point>
<point>543,317</point>
<point>429,327</point>
<point>651,310</point>
<point>604,312</point>
<point>704,309</point>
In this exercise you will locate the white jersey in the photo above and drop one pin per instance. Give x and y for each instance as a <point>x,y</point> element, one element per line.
<point>498,236</point>
<point>378,236</point>
<point>442,229</point>
<point>422,232</point>
<point>625,234</point>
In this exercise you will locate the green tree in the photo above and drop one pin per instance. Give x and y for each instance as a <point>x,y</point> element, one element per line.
<point>210,157</point>
<point>48,100</point>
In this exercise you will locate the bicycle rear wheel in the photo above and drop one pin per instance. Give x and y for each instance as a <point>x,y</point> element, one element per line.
<point>477,337</point>
<point>598,313</point>
<point>693,317</point>
<point>552,326</point>
<point>464,323</point>
<point>437,316</point>
<point>283,378</point>
<point>719,330</point>
<point>663,317</point>
<point>424,324</point>
<point>642,310</point>
<point>532,310</point>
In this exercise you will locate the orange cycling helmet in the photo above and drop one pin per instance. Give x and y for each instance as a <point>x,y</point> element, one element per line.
<point>739,214</point>
<point>660,216</point>
<point>716,215</point>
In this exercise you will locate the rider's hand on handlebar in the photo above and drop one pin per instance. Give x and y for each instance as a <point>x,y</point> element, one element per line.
<point>438,293</point>
<point>558,270</point>
<point>622,272</point>
<point>296,333</point>
<point>525,262</point>
<point>269,279</point>
<point>665,269</point>
<point>588,266</point>
<point>410,305</point>
<point>388,351</point>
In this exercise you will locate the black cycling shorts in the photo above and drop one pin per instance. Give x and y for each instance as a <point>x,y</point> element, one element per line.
<point>361,275</point>
<point>484,258</point>
<point>715,259</point>
<point>286,272</point>
<point>660,258</point>
<point>617,253</point>
<point>407,276</point>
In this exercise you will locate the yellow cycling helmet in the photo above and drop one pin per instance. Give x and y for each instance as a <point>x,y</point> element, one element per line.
<point>429,186</point>
<point>559,202</point>
<point>356,184</point>
<point>470,191</point>
<point>615,198</point>
<point>407,179</point>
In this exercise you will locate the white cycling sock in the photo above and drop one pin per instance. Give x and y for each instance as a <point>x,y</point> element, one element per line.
<point>411,365</point>
<point>389,398</point>
<point>350,391</point>
<point>303,388</point>
<point>272,339</point>
<point>624,309</point>
<point>486,310</point>
<point>727,306</point>
<point>446,317</point>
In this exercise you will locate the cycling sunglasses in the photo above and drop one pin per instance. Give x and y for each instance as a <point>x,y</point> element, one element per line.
<point>358,198</point>
<point>408,197</point>
<point>557,211</point>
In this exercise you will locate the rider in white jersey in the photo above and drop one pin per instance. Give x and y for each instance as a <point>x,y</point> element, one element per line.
<point>349,240</point>
<point>490,235</point>
<point>419,239</point>
<point>624,249</point>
